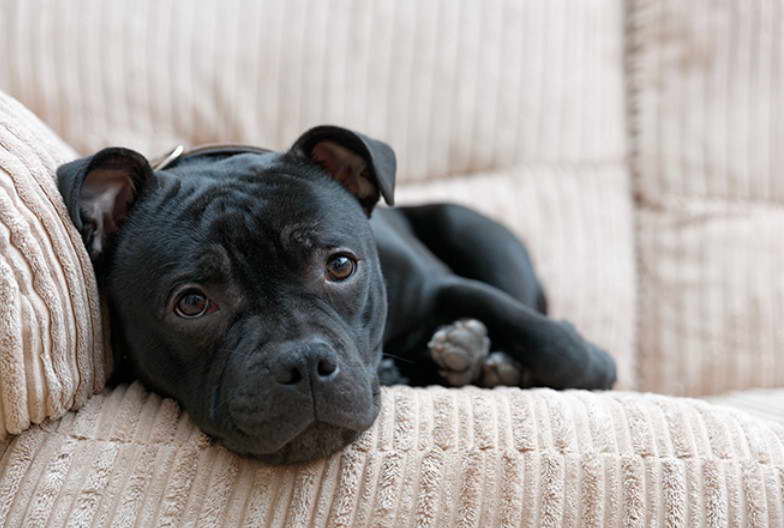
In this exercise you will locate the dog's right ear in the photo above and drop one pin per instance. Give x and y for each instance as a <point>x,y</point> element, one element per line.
<point>365,167</point>
<point>99,192</point>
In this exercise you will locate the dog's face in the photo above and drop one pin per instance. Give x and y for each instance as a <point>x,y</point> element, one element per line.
<point>248,287</point>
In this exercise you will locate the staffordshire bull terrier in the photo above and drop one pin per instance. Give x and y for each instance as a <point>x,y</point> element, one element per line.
<point>261,290</point>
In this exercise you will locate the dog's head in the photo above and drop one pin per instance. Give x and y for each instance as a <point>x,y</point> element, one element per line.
<point>246,286</point>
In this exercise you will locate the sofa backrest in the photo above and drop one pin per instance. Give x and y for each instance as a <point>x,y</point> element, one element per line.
<point>706,87</point>
<point>555,117</point>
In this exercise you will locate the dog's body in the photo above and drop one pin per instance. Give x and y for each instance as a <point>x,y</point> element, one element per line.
<point>249,286</point>
<point>445,262</point>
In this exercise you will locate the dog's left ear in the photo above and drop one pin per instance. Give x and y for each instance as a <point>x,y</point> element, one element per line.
<point>99,192</point>
<point>365,167</point>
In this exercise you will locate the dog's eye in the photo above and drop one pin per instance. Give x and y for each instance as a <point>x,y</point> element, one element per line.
<point>193,304</point>
<point>340,267</point>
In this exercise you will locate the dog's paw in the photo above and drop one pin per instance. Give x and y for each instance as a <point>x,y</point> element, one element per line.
<point>459,349</point>
<point>499,369</point>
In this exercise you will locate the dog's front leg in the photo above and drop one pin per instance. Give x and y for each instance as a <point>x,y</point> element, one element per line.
<point>553,351</point>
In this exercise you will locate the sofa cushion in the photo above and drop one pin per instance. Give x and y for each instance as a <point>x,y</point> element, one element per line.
<point>435,457</point>
<point>767,404</point>
<point>706,90</point>
<point>50,337</point>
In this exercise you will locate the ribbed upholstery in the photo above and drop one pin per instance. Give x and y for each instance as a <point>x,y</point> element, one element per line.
<point>705,93</point>
<point>455,86</point>
<point>767,404</point>
<point>708,76</point>
<point>435,457</point>
<point>461,89</point>
<point>50,334</point>
<point>514,107</point>
<point>510,74</point>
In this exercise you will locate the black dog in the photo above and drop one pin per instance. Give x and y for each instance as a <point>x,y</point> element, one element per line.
<point>248,285</point>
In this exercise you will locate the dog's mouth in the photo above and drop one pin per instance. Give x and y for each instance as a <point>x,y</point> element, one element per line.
<point>318,440</point>
<point>291,442</point>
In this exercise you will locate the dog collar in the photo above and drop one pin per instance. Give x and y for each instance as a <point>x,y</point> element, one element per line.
<point>178,153</point>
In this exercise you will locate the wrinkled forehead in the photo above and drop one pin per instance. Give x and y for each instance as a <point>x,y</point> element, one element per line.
<point>268,187</point>
<point>259,204</point>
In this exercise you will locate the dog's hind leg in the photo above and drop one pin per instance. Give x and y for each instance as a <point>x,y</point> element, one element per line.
<point>479,248</point>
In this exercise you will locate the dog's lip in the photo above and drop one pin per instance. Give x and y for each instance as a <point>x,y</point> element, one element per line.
<point>249,435</point>
<point>353,422</point>
<point>253,447</point>
<point>251,431</point>
<point>328,440</point>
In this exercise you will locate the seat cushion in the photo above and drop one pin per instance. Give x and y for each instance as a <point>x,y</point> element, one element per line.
<point>767,404</point>
<point>435,457</point>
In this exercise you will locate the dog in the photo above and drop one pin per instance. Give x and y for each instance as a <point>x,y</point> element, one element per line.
<point>262,290</point>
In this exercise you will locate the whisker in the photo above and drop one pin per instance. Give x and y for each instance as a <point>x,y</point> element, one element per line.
<point>393,356</point>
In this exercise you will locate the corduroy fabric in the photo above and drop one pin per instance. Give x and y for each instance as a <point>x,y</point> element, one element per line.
<point>435,457</point>
<point>456,86</point>
<point>767,404</point>
<point>50,335</point>
<point>706,80</point>
<point>460,89</point>
<point>530,131</point>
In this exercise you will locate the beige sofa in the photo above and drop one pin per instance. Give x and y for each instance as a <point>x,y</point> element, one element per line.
<point>636,146</point>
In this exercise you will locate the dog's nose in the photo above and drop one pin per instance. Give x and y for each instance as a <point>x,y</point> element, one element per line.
<point>315,361</point>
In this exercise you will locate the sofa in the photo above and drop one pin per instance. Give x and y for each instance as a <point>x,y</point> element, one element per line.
<point>635,146</point>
